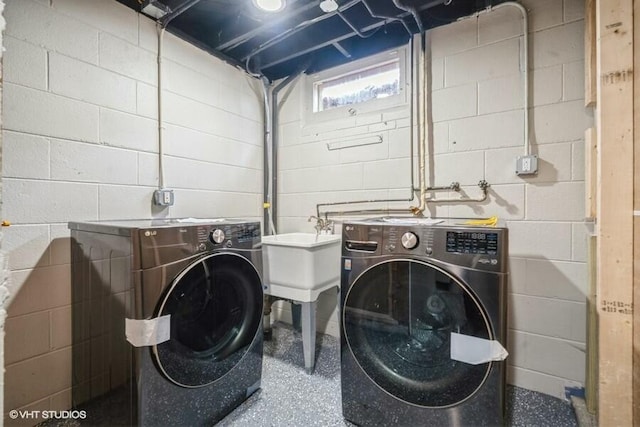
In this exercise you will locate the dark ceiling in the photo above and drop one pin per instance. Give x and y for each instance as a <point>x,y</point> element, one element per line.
<point>277,45</point>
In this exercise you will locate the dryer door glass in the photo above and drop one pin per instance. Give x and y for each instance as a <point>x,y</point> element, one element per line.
<point>398,319</point>
<point>215,306</point>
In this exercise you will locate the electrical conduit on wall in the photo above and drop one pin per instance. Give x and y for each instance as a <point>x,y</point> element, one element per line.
<point>422,113</point>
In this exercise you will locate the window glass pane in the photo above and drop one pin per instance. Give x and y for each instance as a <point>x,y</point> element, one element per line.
<point>363,85</point>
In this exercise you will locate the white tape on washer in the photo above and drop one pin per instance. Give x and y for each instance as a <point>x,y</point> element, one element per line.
<point>147,332</point>
<point>474,350</point>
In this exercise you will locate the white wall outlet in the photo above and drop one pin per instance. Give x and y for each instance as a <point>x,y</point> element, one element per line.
<point>527,165</point>
<point>163,197</point>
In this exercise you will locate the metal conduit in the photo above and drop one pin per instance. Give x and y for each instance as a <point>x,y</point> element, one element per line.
<point>161,26</point>
<point>296,29</point>
<point>413,111</point>
<point>483,185</point>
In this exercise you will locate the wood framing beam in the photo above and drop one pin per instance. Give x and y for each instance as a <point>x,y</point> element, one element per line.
<point>636,215</point>
<point>615,123</point>
<point>590,53</point>
<point>590,173</point>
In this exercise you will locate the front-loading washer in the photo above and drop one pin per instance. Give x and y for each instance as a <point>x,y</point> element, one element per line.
<point>166,319</point>
<point>410,289</point>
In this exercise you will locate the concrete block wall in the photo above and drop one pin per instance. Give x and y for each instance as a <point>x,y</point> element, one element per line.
<point>80,142</point>
<point>478,126</point>
<point>4,291</point>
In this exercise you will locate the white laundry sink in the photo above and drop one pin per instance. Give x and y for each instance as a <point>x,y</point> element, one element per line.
<point>299,266</point>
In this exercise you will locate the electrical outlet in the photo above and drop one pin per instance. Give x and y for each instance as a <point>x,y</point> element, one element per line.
<point>163,197</point>
<point>527,165</point>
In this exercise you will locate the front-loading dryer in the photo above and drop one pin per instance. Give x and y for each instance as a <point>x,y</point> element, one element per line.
<point>166,319</point>
<point>409,290</point>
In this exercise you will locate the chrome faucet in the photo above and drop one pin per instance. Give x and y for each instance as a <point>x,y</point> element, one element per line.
<point>322,225</point>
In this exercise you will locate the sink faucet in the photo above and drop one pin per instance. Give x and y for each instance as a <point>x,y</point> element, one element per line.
<point>322,225</point>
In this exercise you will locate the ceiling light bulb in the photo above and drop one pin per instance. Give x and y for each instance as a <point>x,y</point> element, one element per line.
<point>328,6</point>
<point>270,5</point>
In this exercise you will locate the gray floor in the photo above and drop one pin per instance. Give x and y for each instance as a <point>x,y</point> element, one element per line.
<point>291,397</point>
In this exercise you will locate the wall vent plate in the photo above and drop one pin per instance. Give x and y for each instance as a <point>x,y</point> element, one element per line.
<point>527,165</point>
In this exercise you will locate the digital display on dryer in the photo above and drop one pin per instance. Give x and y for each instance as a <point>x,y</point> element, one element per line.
<point>472,242</point>
<point>248,233</point>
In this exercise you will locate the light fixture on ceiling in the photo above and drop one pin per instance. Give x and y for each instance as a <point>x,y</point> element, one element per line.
<point>270,5</point>
<point>155,9</point>
<point>328,6</point>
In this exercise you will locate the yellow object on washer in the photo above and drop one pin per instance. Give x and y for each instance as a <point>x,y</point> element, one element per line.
<point>489,222</point>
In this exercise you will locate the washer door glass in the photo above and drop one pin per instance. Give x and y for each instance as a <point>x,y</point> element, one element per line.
<point>215,306</point>
<point>398,319</point>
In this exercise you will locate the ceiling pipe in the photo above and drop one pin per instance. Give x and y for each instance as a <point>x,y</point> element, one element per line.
<point>392,18</point>
<point>237,41</point>
<point>296,29</point>
<point>414,12</point>
<point>346,6</point>
<point>355,30</point>
<point>320,46</point>
<point>179,11</point>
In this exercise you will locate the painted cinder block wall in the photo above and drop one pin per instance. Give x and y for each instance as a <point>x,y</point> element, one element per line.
<point>4,291</point>
<point>80,143</point>
<point>478,121</point>
<point>71,68</point>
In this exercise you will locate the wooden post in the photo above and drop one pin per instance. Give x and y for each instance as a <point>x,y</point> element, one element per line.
<point>590,78</point>
<point>590,173</point>
<point>615,119</point>
<point>636,214</point>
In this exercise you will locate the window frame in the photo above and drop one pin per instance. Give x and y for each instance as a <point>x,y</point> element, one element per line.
<point>371,106</point>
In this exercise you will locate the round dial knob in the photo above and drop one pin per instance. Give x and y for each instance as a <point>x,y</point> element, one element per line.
<point>409,240</point>
<point>217,236</point>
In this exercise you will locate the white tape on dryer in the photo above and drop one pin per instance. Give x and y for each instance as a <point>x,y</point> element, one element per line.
<point>474,350</point>
<point>148,332</point>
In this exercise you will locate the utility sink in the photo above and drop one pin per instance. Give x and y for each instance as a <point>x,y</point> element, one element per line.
<point>299,266</point>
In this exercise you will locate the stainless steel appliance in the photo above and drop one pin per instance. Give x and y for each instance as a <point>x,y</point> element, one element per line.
<point>408,286</point>
<point>197,283</point>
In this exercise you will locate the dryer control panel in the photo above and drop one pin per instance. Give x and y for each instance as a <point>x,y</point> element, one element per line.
<point>484,248</point>
<point>162,245</point>
<point>472,242</point>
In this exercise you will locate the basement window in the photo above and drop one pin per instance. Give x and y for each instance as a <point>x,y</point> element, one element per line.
<point>377,82</point>
<point>368,85</point>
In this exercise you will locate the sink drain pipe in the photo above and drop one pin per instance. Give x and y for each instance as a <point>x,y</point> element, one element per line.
<point>270,180</point>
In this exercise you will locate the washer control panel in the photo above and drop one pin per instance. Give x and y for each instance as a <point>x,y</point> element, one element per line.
<point>234,235</point>
<point>472,242</point>
<point>483,248</point>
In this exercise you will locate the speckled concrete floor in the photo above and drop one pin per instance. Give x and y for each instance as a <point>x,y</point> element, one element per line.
<point>291,397</point>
